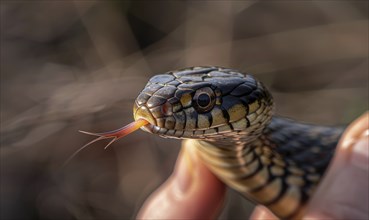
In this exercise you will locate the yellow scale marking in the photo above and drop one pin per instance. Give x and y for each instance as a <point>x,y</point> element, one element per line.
<point>289,202</point>
<point>269,192</point>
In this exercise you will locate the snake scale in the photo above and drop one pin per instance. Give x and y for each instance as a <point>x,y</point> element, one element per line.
<point>270,160</point>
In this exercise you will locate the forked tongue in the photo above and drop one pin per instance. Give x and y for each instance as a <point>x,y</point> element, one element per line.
<point>119,133</point>
<point>114,135</point>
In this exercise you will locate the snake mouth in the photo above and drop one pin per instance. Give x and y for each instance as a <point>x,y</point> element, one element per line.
<point>142,112</point>
<point>149,128</point>
<point>152,126</point>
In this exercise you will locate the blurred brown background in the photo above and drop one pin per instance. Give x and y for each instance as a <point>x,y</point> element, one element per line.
<point>70,65</point>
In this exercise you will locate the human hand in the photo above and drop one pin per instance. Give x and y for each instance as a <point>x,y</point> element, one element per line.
<point>344,191</point>
<point>193,192</point>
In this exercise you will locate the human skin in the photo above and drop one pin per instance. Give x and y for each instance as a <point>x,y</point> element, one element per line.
<point>193,192</point>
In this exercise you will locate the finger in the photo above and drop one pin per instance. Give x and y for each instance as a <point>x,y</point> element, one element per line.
<point>192,192</point>
<point>262,213</point>
<point>343,194</point>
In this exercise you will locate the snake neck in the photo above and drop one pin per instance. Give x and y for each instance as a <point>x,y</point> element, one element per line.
<point>280,168</point>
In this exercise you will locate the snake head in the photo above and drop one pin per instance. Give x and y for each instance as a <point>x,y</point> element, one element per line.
<point>204,102</point>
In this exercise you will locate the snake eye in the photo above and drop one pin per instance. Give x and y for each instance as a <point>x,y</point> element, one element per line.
<point>204,100</point>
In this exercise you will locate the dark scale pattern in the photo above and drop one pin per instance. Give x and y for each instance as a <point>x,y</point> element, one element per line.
<point>273,161</point>
<point>296,142</point>
<point>243,89</point>
<point>178,88</point>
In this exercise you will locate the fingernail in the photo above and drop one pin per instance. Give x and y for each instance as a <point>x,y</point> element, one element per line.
<point>360,154</point>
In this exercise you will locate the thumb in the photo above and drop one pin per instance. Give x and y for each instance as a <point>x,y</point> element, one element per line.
<point>191,192</point>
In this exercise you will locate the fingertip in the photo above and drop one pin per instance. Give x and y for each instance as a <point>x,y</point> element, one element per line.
<point>360,154</point>
<point>343,193</point>
<point>357,129</point>
<point>262,213</point>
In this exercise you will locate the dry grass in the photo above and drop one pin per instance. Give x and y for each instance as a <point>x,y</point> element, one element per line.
<point>71,65</point>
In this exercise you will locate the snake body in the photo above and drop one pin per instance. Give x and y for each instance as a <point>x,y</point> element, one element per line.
<point>273,161</point>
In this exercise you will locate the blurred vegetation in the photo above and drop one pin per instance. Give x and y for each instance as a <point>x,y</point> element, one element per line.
<point>70,65</point>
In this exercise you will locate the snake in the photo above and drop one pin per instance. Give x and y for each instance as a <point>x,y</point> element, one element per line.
<point>229,116</point>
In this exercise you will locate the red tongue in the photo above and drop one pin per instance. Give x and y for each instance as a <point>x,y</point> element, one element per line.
<point>121,132</point>
<point>115,135</point>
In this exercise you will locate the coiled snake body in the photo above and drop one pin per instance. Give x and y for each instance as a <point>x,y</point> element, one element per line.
<point>228,115</point>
